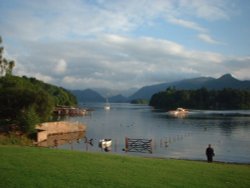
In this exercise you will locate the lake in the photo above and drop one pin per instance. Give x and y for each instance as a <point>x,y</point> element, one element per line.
<point>172,137</point>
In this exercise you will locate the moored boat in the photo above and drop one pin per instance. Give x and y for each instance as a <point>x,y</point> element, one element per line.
<point>179,112</point>
<point>105,143</point>
<point>107,105</point>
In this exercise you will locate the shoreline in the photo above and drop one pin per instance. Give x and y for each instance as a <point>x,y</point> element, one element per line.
<point>186,159</point>
<point>156,157</point>
<point>127,155</point>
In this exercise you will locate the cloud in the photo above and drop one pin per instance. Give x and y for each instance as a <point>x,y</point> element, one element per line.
<point>187,24</point>
<point>80,44</point>
<point>121,62</point>
<point>36,20</point>
<point>45,78</point>
<point>61,66</point>
<point>210,10</point>
<point>208,39</point>
<point>239,64</point>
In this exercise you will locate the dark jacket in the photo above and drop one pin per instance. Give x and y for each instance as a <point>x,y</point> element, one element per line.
<point>210,152</point>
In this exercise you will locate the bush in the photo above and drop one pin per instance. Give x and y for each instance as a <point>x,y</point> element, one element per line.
<point>28,120</point>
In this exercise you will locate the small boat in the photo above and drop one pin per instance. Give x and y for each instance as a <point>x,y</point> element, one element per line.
<point>179,112</point>
<point>105,144</point>
<point>107,105</point>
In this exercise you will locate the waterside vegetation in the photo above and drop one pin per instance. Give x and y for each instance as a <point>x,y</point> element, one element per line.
<point>140,101</point>
<point>225,99</point>
<point>42,167</point>
<point>26,101</point>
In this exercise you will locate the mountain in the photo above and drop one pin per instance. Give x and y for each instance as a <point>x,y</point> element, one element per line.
<point>105,92</point>
<point>147,91</point>
<point>87,95</point>
<point>118,98</point>
<point>225,81</point>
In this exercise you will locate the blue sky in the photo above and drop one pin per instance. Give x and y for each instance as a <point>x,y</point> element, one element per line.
<point>119,44</point>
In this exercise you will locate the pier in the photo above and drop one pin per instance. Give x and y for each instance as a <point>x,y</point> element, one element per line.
<point>70,111</point>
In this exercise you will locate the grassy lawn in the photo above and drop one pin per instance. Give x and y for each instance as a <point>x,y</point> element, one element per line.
<point>41,167</point>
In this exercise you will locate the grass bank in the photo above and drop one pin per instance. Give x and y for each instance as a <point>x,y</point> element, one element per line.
<point>41,167</point>
<point>13,139</point>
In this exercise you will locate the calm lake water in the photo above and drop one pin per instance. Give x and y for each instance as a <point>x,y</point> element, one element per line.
<point>181,138</point>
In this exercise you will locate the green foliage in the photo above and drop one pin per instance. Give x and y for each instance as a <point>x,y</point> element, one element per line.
<point>27,101</point>
<point>202,99</point>
<point>40,167</point>
<point>6,66</point>
<point>28,119</point>
<point>140,101</point>
<point>13,139</point>
<point>60,95</point>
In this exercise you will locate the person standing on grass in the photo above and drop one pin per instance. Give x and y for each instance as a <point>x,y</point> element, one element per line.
<point>209,153</point>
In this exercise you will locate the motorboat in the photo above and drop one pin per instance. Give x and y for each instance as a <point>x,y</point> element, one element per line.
<point>107,107</point>
<point>179,112</point>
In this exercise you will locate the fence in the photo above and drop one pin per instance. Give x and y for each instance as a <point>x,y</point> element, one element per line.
<point>138,145</point>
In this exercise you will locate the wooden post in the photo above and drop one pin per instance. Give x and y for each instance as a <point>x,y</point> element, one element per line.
<point>126,144</point>
<point>154,144</point>
<point>115,145</point>
<point>87,147</point>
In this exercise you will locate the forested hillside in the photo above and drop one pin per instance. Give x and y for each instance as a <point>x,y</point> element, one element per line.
<point>24,102</point>
<point>27,101</point>
<point>87,95</point>
<point>225,99</point>
<point>225,81</point>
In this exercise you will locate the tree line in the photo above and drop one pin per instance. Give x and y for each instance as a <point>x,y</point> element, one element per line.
<point>225,99</point>
<point>27,101</point>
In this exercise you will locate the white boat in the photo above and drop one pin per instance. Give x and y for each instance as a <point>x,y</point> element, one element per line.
<point>107,105</point>
<point>105,143</point>
<point>179,112</point>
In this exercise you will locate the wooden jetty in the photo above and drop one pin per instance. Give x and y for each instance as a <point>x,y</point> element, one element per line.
<point>70,111</point>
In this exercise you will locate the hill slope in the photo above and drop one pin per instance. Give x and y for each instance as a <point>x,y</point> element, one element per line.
<point>87,95</point>
<point>226,81</point>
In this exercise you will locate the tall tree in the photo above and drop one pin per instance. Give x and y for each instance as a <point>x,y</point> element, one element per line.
<point>6,66</point>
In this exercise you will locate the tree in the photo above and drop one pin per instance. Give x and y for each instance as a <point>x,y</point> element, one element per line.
<point>25,101</point>
<point>6,66</point>
<point>28,119</point>
<point>202,99</point>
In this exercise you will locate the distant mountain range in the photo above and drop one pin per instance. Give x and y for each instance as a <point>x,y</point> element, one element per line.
<point>105,92</point>
<point>87,95</point>
<point>226,81</point>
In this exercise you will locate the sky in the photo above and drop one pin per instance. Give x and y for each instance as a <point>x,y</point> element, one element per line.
<point>122,44</point>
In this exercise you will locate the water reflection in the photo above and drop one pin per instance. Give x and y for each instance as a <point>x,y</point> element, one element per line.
<point>55,140</point>
<point>228,132</point>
